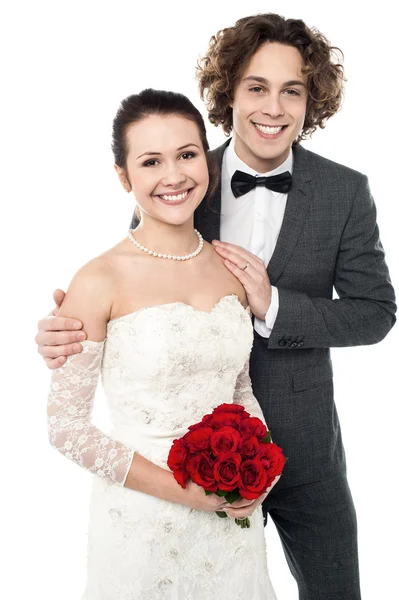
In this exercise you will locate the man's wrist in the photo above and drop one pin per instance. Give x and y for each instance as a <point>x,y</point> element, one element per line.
<point>271,314</point>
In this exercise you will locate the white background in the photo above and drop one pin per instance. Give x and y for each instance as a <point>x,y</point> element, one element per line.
<point>65,67</point>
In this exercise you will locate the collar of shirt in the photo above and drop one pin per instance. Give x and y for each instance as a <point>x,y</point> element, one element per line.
<point>234,163</point>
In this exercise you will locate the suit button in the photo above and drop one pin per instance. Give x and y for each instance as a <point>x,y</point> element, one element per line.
<point>282,343</point>
<point>300,344</point>
<point>294,345</point>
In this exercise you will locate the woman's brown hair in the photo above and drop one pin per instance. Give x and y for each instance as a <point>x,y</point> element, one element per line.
<point>230,50</point>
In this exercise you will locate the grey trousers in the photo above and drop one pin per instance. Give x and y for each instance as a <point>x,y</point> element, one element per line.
<point>317,526</point>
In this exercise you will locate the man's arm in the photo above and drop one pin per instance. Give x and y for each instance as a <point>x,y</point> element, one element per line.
<point>365,310</point>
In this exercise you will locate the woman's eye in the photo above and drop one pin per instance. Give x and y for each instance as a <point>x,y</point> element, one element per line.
<point>188,155</point>
<point>150,163</point>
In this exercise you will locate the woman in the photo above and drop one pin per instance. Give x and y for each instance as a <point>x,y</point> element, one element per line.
<point>167,328</point>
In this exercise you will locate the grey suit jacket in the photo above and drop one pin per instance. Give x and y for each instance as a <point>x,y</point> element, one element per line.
<point>329,239</point>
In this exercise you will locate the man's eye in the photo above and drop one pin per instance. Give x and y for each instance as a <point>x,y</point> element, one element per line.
<point>292,92</point>
<point>256,89</point>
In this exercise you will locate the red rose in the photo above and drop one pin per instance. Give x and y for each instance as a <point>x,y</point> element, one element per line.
<point>254,479</point>
<point>201,470</point>
<point>249,445</point>
<point>273,459</point>
<point>181,476</point>
<point>225,419</point>
<point>198,439</point>
<point>233,408</point>
<point>253,426</point>
<point>199,425</point>
<point>178,455</point>
<point>227,471</point>
<point>225,439</point>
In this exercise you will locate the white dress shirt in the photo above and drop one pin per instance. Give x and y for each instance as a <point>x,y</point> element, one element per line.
<point>253,220</point>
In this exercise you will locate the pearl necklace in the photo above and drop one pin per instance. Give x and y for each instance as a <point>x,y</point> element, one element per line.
<point>170,256</point>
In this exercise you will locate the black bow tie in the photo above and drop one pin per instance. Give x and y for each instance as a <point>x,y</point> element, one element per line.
<point>242,183</point>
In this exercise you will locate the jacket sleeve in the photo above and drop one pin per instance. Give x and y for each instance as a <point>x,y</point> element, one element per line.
<point>365,310</point>
<point>69,409</point>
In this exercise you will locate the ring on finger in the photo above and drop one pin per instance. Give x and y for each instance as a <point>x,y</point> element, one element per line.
<point>245,266</point>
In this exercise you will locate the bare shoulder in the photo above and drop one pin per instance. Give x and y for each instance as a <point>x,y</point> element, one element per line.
<point>224,277</point>
<point>90,295</point>
<point>95,276</point>
<point>99,274</point>
<point>121,256</point>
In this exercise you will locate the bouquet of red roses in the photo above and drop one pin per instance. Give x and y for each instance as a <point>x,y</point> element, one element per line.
<point>228,453</point>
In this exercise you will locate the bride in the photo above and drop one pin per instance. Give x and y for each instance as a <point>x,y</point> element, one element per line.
<point>168,330</point>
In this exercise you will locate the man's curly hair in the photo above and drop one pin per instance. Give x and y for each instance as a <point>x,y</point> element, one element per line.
<point>231,49</point>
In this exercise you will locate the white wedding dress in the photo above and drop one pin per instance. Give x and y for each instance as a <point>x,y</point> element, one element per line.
<point>163,367</point>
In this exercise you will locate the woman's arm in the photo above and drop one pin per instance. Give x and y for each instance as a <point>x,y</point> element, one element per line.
<point>71,397</point>
<point>69,412</point>
<point>72,433</point>
<point>243,394</point>
<point>73,386</point>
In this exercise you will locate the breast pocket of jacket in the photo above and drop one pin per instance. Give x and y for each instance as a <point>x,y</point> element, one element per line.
<point>311,377</point>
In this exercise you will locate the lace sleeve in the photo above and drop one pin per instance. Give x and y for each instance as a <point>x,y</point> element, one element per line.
<point>243,394</point>
<point>70,404</point>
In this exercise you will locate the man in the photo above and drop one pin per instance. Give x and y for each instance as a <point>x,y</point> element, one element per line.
<point>294,226</point>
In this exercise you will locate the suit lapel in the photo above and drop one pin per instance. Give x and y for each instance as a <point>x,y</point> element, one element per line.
<point>298,202</point>
<point>207,216</point>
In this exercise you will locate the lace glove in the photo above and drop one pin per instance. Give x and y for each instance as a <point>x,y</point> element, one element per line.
<point>69,410</point>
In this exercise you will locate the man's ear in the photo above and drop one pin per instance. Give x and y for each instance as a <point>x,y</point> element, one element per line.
<point>123,178</point>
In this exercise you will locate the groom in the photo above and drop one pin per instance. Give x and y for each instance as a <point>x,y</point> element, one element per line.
<point>294,226</point>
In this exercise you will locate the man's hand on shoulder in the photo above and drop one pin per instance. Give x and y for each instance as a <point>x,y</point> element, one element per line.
<point>251,273</point>
<point>58,337</point>
<point>89,297</point>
